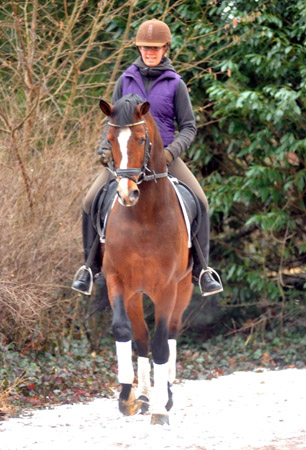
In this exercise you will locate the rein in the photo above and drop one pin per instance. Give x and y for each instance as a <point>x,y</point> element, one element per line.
<point>141,171</point>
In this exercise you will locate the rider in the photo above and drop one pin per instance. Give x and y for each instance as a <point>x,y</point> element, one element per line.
<point>153,77</point>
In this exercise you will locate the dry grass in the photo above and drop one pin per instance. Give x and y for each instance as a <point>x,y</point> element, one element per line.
<point>50,125</point>
<point>6,408</point>
<point>41,247</point>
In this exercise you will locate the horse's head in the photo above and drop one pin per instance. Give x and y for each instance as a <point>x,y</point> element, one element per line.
<point>130,142</point>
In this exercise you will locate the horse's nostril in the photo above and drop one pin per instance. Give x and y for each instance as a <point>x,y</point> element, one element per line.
<point>128,198</point>
<point>134,194</point>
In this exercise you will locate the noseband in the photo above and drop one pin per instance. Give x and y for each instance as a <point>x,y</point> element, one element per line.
<point>144,173</point>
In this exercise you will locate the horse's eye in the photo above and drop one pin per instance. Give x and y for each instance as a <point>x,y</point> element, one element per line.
<point>142,140</point>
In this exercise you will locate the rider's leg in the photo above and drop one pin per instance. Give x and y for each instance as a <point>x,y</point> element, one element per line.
<point>101,179</point>
<point>83,279</point>
<point>178,169</point>
<point>84,276</point>
<point>202,274</point>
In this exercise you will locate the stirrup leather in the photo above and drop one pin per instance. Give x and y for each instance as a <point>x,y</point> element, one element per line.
<point>78,274</point>
<point>209,270</point>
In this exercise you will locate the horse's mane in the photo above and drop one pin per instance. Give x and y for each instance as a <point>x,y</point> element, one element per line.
<point>124,109</point>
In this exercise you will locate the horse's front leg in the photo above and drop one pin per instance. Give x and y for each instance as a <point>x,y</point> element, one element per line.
<point>183,296</point>
<point>122,331</point>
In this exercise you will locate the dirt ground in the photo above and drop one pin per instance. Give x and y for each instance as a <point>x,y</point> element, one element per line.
<point>263,410</point>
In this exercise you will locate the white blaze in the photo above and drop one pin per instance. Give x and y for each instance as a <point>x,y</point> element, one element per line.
<point>123,138</point>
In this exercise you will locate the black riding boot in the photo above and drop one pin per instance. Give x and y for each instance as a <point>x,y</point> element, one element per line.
<point>202,275</point>
<point>83,280</point>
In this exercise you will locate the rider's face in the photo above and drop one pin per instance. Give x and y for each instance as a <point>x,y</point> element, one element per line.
<point>152,56</point>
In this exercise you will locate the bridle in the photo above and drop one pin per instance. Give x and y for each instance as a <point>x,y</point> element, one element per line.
<point>143,173</point>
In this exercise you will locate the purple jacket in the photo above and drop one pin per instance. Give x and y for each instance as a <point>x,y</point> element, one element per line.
<point>161,97</point>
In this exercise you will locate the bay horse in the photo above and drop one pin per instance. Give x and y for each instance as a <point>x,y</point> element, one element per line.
<point>146,252</point>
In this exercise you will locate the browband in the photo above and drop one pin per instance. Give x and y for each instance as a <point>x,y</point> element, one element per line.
<point>127,125</point>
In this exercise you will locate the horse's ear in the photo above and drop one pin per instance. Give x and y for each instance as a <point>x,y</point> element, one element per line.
<point>144,108</point>
<point>106,107</point>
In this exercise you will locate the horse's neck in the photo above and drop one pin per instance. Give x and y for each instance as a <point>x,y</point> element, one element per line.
<point>156,196</point>
<point>157,160</point>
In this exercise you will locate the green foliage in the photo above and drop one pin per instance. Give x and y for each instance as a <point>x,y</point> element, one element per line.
<point>222,356</point>
<point>40,379</point>
<point>253,147</point>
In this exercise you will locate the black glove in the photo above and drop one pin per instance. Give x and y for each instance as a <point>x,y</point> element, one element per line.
<point>169,157</point>
<point>106,156</point>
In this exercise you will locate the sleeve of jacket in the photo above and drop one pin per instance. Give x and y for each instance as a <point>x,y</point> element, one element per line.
<point>117,93</point>
<point>185,120</point>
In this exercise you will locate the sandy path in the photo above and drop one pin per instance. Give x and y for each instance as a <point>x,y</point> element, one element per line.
<point>245,410</point>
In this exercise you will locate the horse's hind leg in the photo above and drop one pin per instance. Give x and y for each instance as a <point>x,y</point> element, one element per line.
<point>141,338</point>
<point>160,352</point>
<point>183,297</point>
<point>122,331</point>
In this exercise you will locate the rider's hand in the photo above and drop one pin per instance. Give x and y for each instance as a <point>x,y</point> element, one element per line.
<point>106,156</point>
<point>169,157</point>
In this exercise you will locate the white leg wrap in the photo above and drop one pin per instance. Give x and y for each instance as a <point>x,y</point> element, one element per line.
<point>172,360</point>
<point>125,364</point>
<point>160,397</point>
<point>144,383</point>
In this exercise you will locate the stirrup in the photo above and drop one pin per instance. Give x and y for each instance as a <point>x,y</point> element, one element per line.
<point>210,270</point>
<point>78,273</point>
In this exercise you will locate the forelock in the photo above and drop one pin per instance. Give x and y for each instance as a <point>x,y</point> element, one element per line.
<point>124,109</point>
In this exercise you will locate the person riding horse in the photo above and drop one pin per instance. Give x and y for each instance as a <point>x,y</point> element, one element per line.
<point>153,78</point>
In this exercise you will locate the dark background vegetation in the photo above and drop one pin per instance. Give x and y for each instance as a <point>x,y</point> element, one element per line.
<point>244,64</point>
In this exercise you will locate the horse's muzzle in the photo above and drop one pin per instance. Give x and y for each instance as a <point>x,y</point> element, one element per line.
<point>128,192</point>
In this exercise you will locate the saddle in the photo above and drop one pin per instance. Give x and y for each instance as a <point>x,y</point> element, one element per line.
<point>105,197</point>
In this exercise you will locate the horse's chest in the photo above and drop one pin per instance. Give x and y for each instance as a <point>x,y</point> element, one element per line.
<point>142,238</point>
<point>146,240</point>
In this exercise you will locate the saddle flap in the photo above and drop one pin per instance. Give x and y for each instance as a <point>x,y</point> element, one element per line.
<point>189,204</point>
<point>102,204</point>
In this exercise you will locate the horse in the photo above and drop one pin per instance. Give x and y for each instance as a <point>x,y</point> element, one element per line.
<point>145,252</point>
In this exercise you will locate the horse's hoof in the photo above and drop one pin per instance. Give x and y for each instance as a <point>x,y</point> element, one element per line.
<point>144,404</point>
<point>129,407</point>
<point>159,419</point>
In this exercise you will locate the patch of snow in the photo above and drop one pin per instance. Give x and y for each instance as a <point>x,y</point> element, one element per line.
<point>243,411</point>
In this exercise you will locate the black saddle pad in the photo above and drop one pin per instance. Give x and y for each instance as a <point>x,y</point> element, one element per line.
<point>190,201</point>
